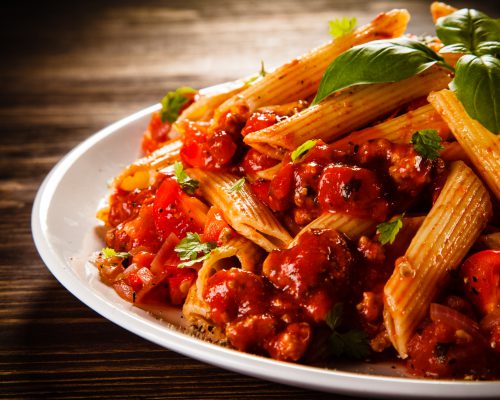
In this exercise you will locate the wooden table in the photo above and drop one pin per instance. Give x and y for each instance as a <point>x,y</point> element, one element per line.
<point>66,71</point>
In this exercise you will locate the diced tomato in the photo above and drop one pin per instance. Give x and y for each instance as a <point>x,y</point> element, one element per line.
<point>481,273</point>
<point>352,190</point>
<point>259,120</point>
<point>156,134</point>
<point>216,226</point>
<point>175,212</point>
<point>135,282</point>
<point>255,161</point>
<point>179,282</point>
<point>143,258</point>
<point>206,151</point>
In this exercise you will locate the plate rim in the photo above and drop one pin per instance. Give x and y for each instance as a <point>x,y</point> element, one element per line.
<point>298,375</point>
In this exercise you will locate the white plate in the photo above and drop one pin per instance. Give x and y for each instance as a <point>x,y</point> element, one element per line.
<point>65,234</point>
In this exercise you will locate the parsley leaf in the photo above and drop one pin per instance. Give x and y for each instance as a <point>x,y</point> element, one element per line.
<point>427,143</point>
<point>389,230</point>
<point>353,344</point>
<point>187,184</point>
<point>262,73</point>
<point>332,319</point>
<point>303,149</point>
<point>339,27</point>
<point>172,103</point>
<point>237,186</point>
<point>108,252</point>
<point>189,250</point>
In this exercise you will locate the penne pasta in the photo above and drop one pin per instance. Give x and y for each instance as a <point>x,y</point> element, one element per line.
<point>351,226</point>
<point>399,129</point>
<point>344,112</point>
<point>138,175</point>
<point>243,211</point>
<point>481,146</point>
<point>300,78</point>
<point>454,223</point>
<point>203,108</point>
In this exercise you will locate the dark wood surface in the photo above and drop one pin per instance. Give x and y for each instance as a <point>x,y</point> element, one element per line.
<point>66,71</point>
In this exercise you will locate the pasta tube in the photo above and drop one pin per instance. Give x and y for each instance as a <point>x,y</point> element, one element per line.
<point>343,112</point>
<point>299,79</point>
<point>352,227</point>
<point>241,208</point>
<point>399,129</point>
<point>138,175</point>
<point>449,230</point>
<point>481,146</point>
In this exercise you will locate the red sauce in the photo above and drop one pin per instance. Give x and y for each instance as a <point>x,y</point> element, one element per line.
<point>275,313</point>
<point>370,181</point>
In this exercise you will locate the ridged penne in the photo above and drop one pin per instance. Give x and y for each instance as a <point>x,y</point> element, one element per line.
<point>209,99</point>
<point>343,112</point>
<point>399,129</point>
<point>241,209</point>
<point>450,229</point>
<point>138,175</point>
<point>299,79</point>
<point>481,146</point>
<point>352,227</point>
<point>247,253</point>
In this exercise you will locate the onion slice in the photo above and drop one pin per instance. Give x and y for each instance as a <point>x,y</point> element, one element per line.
<point>458,321</point>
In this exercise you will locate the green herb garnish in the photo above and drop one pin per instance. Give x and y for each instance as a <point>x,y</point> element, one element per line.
<point>108,252</point>
<point>477,73</point>
<point>339,27</point>
<point>427,143</point>
<point>237,186</point>
<point>389,230</point>
<point>353,343</point>
<point>262,73</point>
<point>187,184</point>
<point>172,103</point>
<point>300,151</point>
<point>189,250</point>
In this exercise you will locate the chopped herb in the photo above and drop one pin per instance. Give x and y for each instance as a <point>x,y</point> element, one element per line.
<point>300,151</point>
<point>262,73</point>
<point>353,344</point>
<point>187,184</point>
<point>427,143</point>
<point>237,186</point>
<point>108,252</point>
<point>339,27</point>
<point>389,230</point>
<point>172,103</point>
<point>189,250</point>
<point>332,319</point>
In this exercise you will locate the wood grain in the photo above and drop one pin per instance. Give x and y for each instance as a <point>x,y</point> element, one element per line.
<point>70,68</point>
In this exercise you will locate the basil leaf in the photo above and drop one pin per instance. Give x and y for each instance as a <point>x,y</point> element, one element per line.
<point>469,28</point>
<point>172,103</point>
<point>376,62</point>
<point>237,186</point>
<point>492,48</point>
<point>476,85</point>
<point>187,184</point>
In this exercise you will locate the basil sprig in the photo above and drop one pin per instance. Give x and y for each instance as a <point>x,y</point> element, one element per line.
<point>379,61</point>
<point>465,30</point>
<point>477,86</point>
<point>477,73</point>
